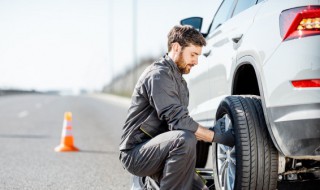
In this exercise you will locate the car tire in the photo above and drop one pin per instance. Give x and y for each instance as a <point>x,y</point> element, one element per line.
<point>202,154</point>
<point>253,162</point>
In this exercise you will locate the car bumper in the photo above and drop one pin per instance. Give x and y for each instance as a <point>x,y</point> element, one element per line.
<point>296,129</point>
<point>294,113</point>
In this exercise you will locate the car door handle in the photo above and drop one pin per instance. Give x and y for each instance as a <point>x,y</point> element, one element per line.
<point>206,54</point>
<point>237,38</point>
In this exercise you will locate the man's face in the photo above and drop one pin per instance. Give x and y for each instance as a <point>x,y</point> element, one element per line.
<point>188,58</point>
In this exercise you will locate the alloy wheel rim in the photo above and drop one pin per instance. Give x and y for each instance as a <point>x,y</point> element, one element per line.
<point>226,161</point>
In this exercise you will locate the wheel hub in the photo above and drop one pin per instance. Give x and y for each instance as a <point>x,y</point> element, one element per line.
<point>228,155</point>
<point>226,162</point>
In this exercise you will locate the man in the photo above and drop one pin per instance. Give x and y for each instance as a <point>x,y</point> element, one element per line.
<point>159,137</point>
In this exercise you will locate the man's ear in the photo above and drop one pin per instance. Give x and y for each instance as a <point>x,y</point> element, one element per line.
<point>176,47</point>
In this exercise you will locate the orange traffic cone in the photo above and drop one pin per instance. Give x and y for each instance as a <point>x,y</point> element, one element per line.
<point>66,137</point>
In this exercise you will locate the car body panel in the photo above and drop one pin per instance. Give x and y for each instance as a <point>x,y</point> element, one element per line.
<point>292,115</point>
<point>217,67</point>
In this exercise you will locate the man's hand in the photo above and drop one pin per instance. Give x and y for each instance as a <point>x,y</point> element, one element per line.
<point>220,135</point>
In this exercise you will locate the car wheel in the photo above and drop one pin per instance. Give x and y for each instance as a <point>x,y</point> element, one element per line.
<point>202,154</point>
<point>253,162</point>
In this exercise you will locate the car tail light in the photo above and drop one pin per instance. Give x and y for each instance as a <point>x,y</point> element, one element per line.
<point>306,83</point>
<point>300,22</point>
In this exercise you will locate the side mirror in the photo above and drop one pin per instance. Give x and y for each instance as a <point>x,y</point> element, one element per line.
<point>195,22</point>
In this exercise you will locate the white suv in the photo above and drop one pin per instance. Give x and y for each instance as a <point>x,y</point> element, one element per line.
<point>260,71</point>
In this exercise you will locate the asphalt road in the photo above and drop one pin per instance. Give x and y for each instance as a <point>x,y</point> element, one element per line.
<point>30,129</point>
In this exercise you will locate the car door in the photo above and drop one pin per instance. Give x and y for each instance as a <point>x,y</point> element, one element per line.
<point>197,83</point>
<point>198,80</point>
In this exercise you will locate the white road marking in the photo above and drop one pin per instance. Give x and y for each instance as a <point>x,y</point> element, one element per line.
<point>23,114</point>
<point>38,105</point>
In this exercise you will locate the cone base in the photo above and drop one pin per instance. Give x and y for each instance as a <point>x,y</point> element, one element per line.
<point>64,148</point>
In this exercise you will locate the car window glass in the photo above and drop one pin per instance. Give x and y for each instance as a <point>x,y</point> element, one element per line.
<point>222,14</point>
<point>243,5</point>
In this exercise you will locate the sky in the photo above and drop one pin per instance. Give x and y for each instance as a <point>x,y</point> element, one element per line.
<point>82,44</point>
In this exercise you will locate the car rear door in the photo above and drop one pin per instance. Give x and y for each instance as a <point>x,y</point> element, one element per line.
<point>224,39</point>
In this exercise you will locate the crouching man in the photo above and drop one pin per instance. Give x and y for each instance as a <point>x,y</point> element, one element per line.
<point>159,137</point>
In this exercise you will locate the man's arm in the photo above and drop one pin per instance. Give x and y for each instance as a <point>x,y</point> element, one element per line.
<point>164,97</point>
<point>204,134</point>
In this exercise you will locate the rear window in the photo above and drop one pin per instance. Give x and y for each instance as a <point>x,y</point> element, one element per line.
<point>243,5</point>
<point>222,14</point>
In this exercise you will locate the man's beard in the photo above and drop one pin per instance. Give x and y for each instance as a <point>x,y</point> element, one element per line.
<point>182,65</point>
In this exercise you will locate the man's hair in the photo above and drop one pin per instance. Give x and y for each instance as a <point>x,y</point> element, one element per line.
<point>185,35</point>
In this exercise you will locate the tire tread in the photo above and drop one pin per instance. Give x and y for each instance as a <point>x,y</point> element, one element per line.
<point>256,156</point>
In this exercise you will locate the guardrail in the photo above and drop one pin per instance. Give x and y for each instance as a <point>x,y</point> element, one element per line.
<point>16,92</point>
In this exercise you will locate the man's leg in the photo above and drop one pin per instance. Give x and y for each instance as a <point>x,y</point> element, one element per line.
<point>169,158</point>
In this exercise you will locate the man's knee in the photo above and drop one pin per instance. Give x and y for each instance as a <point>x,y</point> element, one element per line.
<point>189,137</point>
<point>187,140</point>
